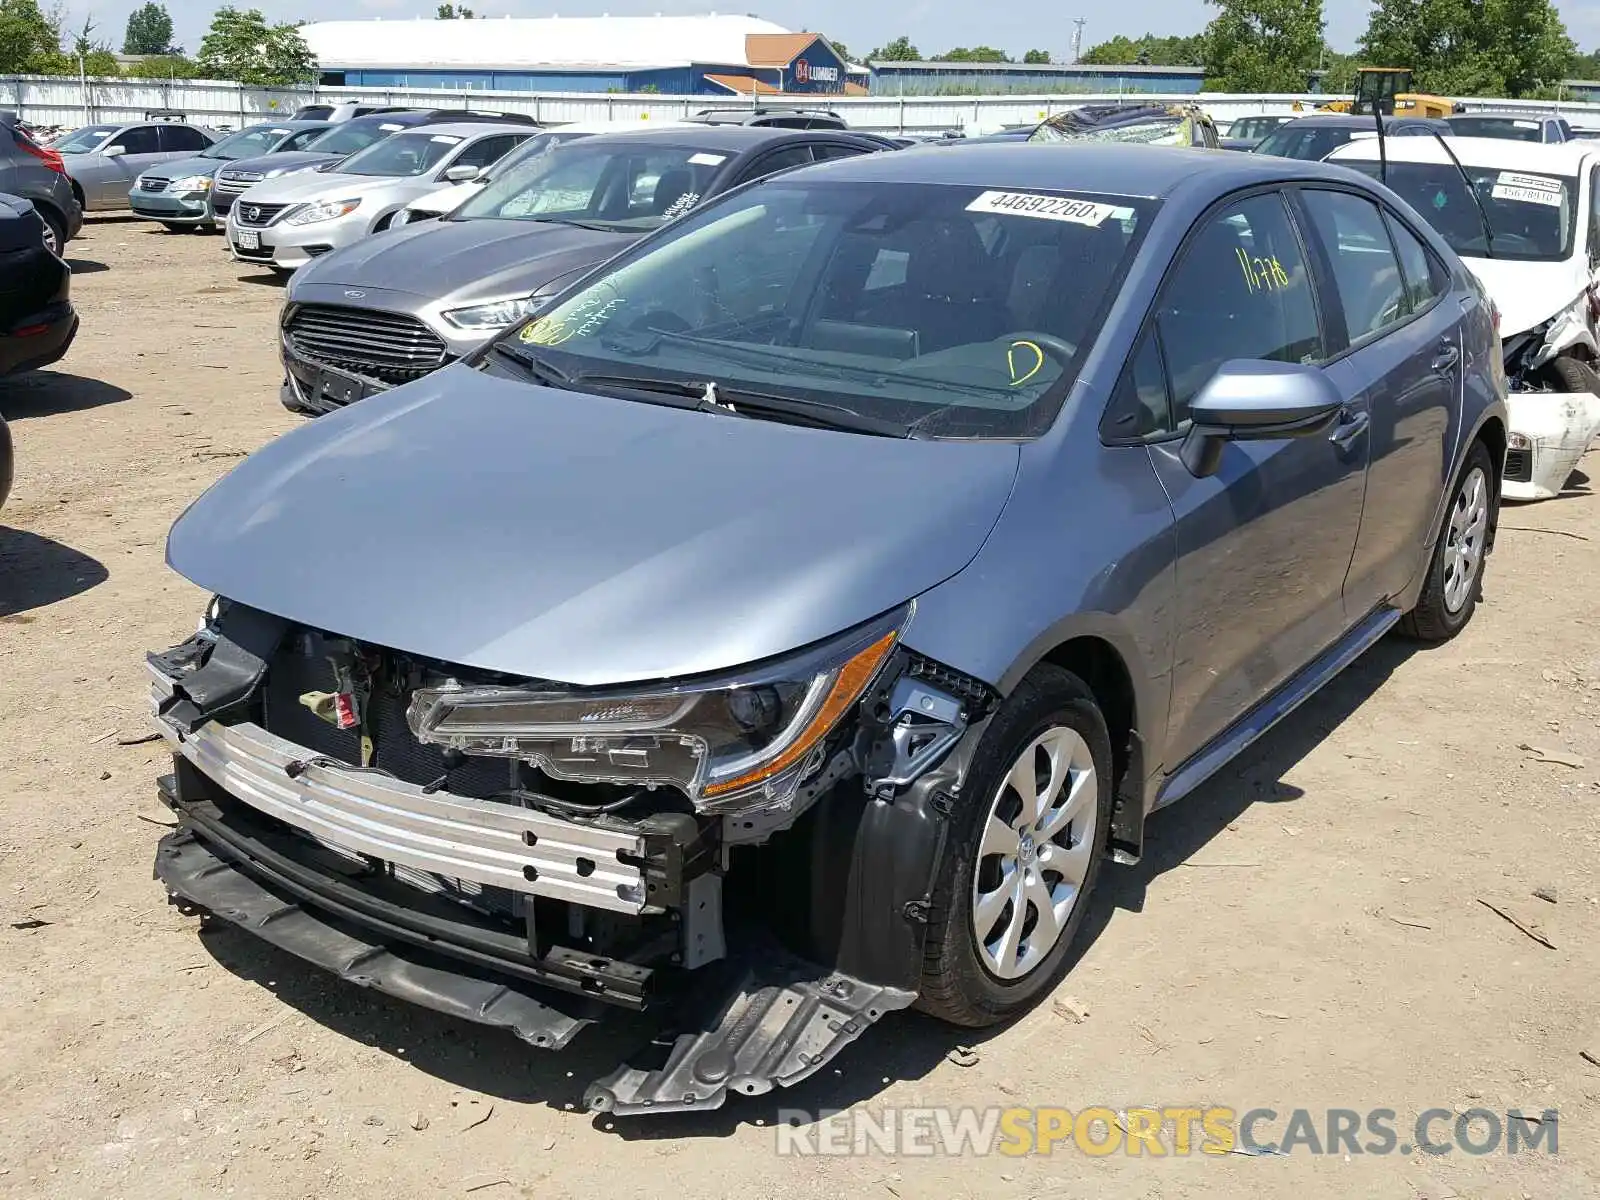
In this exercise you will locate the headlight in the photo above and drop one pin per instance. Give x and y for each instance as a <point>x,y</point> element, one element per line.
<point>191,183</point>
<point>1518,441</point>
<point>731,745</point>
<point>497,314</point>
<point>322,210</point>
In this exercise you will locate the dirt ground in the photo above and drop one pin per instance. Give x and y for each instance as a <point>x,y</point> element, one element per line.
<point>1306,932</point>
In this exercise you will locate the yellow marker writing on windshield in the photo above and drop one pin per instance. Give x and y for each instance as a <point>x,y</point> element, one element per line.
<point>1017,380</point>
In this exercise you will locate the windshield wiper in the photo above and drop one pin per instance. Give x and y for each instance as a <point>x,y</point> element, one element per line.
<point>541,371</point>
<point>1472,193</point>
<point>710,396</point>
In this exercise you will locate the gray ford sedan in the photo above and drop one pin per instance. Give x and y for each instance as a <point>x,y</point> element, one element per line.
<point>792,622</point>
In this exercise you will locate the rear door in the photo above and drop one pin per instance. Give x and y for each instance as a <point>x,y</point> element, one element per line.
<point>795,154</point>
<point>1400,365</point>
<point>180,141</point>
<point>1263,544</point>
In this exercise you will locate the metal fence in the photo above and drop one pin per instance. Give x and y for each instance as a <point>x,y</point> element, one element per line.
<point>54,100</point>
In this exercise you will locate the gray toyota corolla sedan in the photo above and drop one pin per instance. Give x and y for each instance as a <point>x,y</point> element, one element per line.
<point>790,623</point>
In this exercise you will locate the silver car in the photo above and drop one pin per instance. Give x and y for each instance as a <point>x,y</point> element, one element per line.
<point>103,160</point>
<point>284,223</point>
<point>179,194</point>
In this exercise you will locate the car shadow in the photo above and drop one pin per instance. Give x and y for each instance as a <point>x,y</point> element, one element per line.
<point>37,571</point>
<point>904,1046</point>
<point>40,393</point>
<point>268,279</point>
<point>86,266</point>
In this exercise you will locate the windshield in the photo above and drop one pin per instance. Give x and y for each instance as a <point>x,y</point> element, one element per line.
<point>85,139</point>
<point>1308,142</point>
<point>353,136</point>
<point>403,155</point>
<point>959,311</point>
<point>1510,128</point>
<point>247,142</point>
<point>1531,216</point>
<point>1164,131</point>
<point>629,186</point>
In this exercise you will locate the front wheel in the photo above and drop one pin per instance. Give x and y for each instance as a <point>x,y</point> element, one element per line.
<point>1572,375</point>
<point>1025,848</point>
<point>1455,572</point>
<point>55,232</point>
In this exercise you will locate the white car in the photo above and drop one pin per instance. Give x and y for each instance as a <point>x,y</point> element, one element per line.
<point>284,223</point>
<point>446,200</point>
<point>1528,226</point>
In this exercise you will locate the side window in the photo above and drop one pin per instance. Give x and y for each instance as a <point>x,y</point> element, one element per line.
<point>778,160</point>
<point>1594,216</point>
<point>1351,230</point>
<point>1425,279</point>
<point>830,150</point>
<point>299,140</point>
<point>1140,405</point>
<point>1240,290</point>
<point>182,137</point>
<point>141,139</point>
<point>487,150</point>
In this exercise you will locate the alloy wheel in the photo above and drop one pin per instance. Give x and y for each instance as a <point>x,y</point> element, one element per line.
<point>1035,853</point>
<point>1465,538</point>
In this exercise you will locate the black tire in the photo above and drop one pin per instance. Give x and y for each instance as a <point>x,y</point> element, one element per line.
<point>1433,619</point>
<point>1573,375</point>
<point>956,985</point>
<point>174,227</point>
<point>55,230</point>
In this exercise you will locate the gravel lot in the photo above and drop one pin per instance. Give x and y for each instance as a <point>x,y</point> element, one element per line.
<point>1305,933</point>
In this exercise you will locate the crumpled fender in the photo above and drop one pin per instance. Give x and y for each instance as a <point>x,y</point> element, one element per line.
<point>1569,329</point>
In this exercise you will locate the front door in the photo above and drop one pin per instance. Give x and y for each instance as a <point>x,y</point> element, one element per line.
<point>1404,365</point>
<point>141,148</point>
<point>1263,545</point>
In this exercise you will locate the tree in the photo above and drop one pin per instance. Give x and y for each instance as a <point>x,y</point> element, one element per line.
<point>29,43</point>
<point>149,31</point>
<point>92,57</point>
<point>1472,47</point>
<point>1037,57</point>
<point>242,46</point>
<point>899,50</point>
<point>1587,66</point>
<point>841,50</point>
<point>979,54</point>
<point>1262,45</point>
<point>449,12</point>
<point>166,66</point>
<point>1157,51</point>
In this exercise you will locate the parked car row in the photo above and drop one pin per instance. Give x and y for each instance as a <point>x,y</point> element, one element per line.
<point>743,522</point>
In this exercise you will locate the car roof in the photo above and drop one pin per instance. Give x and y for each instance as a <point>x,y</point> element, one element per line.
<point>1115,169</point>
<point>1564,158</point>
<point>469,129</point>
<point>1359,121</point>
<point>1536,118</point>
<point>735,138</point>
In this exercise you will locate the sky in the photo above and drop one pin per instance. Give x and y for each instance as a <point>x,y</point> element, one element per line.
<point>933,25</point>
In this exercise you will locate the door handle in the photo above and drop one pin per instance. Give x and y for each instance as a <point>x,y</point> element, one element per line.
<point>1351,427</point>
<point>1447,358</point>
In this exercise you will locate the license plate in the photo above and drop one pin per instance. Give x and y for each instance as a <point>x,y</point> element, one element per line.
<point>340,389</point>
<point>249,241</point>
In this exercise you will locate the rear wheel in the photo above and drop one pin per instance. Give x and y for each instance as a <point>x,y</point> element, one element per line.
<point>1025,849</point>
<point>55,231</point>
<point>1455,573</point>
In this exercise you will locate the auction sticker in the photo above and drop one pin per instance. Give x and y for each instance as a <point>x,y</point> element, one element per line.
<point>1046,208</point>
<point>1529,189</point>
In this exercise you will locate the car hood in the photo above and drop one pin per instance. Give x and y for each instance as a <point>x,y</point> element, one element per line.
<point>177,168</point>
<point>1527,293</point>
<point>289,160</point>
<point>462,260</point>
<point>585,539</point>
<point>312,185</point>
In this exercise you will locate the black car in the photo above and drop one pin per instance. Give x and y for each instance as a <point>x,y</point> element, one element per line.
<point>37,322</point>
<point>1315,137</point>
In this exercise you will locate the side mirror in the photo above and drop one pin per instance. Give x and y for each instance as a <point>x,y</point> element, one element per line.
<point>462,173</point>
<point>113,151</point>
<point>1251,401</point>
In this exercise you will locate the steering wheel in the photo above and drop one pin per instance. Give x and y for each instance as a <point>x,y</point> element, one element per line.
<point>1027,350</point>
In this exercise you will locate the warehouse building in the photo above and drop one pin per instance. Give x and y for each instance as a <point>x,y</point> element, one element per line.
<point>701,55</point>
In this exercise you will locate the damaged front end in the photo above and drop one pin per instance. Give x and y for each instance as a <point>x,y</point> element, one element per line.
<point>741,866</point>
<point>1552,401</point>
